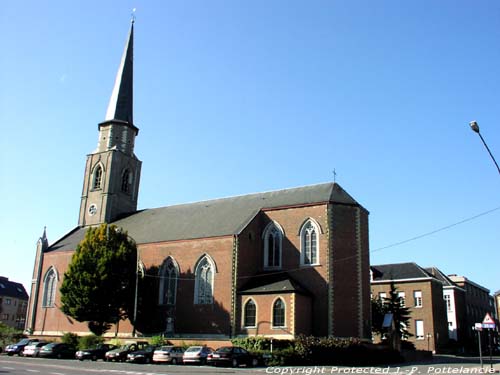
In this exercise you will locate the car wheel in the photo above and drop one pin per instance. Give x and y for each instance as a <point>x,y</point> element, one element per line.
<point>174,361</point>
<point>255,362</point>
<point>148,360</point>
<point>235,363</point>
<point>94,358</point>
<point>59,356</point>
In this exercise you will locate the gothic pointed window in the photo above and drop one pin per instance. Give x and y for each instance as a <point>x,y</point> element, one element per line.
<point>126,181</point>
<point>97,178</point>
<point>309,247</point>
<point>169,274</point>
<point>49,288</point>
<point>279,313</point>
<point>204,281</point>
<point>273,238</point>
<point>250,314</point>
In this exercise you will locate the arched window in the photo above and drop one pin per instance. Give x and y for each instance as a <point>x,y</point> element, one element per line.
<point>204,281</point>
<point>309,247</point>
<point>126,181</point>
<point>97,177</point>
<point>273,238</point>
<point>250,311</point>
<point>279,313</point>
<point>49,288</point>
<point>169,273</point>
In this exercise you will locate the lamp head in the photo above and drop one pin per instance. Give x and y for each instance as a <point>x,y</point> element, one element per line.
<point>474,126</point>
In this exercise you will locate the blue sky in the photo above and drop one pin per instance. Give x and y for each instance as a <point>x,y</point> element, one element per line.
<point>235,97</point>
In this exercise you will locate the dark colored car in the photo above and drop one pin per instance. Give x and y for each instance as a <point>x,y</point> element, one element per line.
<point>142,356</point>
<point>57,350</point>
<point>19,347</point>
<point>232,356</point>
<point>95,353</point>
<point>120,354</point>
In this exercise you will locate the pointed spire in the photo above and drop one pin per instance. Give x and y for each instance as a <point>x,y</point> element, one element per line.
<point>121,103</point>
<point>43,240</point>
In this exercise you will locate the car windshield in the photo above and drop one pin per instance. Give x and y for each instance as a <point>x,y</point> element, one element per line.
<point>49,346</point>
<point>225,349</point>
<point>166,348</point>
<point>23,342</point>
<point>194,349</point>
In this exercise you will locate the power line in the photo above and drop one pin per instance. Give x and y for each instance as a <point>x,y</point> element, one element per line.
<point>355,256</point>
<point>436,230</point>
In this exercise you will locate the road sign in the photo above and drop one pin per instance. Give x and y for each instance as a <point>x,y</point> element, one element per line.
<point>478,326</point>
<point>488,322</point>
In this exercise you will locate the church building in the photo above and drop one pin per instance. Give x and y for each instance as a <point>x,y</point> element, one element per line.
<point>276,264</point>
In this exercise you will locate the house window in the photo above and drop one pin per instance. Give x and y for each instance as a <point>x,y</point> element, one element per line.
<point>417,296</point>
<point>8,301</point>
<point>419,329</point>
<point>309,243</point>
<point>97,177</point>
<point>273,238</point>
<point>126,181</point>
<point>278,313</point>
<point>49,289</point>
<point>402,300</point>
<point>168,282</point>
<point>204,282</point>
<point>447,300</point>
<point>250,314</point>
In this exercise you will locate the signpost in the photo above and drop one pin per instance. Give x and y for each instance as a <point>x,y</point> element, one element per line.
<point>489,324</point>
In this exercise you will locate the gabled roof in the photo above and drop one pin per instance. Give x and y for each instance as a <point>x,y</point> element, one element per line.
<point>213,218</point>
<point>438,274</point>
<point>273,283</point>
<point>12,289</point>
<point>398,271</point>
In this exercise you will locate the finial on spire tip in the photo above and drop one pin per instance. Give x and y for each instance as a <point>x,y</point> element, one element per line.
<point>132,19</point>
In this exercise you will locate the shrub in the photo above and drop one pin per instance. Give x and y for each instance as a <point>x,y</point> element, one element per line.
<point>158,340</point>
<point>71,339</point>
<point>89,341</point>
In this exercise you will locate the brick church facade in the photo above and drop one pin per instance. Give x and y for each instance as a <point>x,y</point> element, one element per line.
<point>279,264</point>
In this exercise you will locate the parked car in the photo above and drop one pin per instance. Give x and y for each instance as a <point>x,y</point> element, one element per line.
<point>57,350</point>
<point>168,354</point>
<point>144,355</point>
<point>33,349</point>
<point>94,353</point>
<point>196,354</point>
<point>232,356</point>
<point>120,354</point>
<point>19,347</point>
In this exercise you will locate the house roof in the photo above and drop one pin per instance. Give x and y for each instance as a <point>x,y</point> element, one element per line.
<point>212,218</point>
<point>438,274</point>
<point>398,271</point>
<point>273,283</point>
<point>12,289</point>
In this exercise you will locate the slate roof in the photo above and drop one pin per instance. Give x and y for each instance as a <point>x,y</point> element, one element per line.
<point>273,283</point>
<point>398,271</point>
<point>212,218</point>
<point>436,272</point>
<point>12,289</point>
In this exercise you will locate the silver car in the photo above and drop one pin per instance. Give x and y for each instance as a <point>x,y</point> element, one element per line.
<point>168,354</point>
<point>197,354</point>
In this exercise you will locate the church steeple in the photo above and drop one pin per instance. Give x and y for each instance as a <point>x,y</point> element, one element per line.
<point>121,103</point>
<point>112,172</point>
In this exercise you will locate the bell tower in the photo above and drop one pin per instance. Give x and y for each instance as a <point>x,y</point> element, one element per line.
<point>112,171</point>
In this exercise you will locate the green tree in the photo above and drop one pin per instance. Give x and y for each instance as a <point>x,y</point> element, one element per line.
<point>98,287</point>
<point>394,304</point>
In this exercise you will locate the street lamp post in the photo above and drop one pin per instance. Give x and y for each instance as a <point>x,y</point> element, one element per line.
<point>475,127</point>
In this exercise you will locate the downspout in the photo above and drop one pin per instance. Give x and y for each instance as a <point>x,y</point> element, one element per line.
<point>234,285</point>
